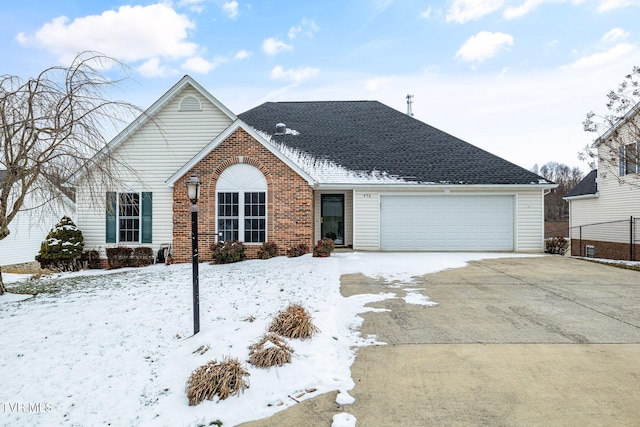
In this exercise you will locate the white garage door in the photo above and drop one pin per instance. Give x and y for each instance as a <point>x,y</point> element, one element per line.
<point>446,223</point>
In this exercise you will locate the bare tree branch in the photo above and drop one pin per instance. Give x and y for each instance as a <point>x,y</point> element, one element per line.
<point>54,125</point>
<point>616,130</point>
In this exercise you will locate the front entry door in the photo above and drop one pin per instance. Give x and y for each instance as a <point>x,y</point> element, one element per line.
<point>332,213</point>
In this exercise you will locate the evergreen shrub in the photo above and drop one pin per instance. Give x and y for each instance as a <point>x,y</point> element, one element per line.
<point>298,250</point>
<point>324,247</point>
<point>268,250</point>
<point>62,247</point>
<point>556,245</point>
<point>228,252</point>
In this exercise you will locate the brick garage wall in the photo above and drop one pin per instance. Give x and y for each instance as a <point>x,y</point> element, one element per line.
<point>606,250</point>
<point>289,197</point>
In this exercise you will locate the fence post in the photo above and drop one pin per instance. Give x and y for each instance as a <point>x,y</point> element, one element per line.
<point>631,238</point>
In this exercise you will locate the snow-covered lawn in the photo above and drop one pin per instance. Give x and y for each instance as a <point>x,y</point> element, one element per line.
<point>116,347</point>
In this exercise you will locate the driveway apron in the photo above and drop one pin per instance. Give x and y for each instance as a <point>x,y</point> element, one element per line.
<point>548,341</point>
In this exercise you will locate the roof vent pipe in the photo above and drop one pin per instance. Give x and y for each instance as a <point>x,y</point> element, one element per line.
<point>281,129</point>
<point>410,105</point>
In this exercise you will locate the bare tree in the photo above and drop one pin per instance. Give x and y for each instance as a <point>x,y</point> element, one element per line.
<point>55,125</point>
<point>617,132</point>
<point>555,208</point>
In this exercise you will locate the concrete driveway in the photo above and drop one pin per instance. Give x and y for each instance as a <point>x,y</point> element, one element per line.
<point>548,341</point>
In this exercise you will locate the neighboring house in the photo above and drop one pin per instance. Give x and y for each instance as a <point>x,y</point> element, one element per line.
<point>31,225</point>
<point>604,208</point>
<point>364,174</point>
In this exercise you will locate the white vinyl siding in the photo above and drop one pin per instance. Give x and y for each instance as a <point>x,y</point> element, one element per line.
<point>530,220</point>
<point>154,153</point>
<point>366,226</point>
<point>615,201</point>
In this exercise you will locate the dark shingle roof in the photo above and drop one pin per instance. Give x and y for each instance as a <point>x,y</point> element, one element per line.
<point>370,136</point>
<point>587,186</point>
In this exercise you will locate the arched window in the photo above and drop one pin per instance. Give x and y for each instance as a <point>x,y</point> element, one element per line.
<point>241,195</point>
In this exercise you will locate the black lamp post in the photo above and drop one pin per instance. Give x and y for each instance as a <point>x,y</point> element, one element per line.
<point>193,192</point>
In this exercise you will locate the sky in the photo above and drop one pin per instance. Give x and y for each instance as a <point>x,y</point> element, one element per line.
<point>89,349</point>
<point>514,77</point>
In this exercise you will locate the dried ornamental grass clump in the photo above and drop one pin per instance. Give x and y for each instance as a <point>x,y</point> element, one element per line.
<point>293,322</point>
<point>223,379</point>
<point>271,350</point>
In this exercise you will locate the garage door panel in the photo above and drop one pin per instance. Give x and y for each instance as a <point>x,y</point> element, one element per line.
<point>419,222</point>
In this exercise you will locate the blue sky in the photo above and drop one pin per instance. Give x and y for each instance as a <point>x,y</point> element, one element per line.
<point>515,78</point>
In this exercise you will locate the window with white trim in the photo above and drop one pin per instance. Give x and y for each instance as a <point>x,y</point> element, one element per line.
<point>629,159</point>
<point>129,217</point>
<point>241,193</point>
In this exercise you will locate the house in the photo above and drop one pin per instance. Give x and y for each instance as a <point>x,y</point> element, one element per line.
<point>29,228</point>
<point>604,208</point>
<point>366,175</point>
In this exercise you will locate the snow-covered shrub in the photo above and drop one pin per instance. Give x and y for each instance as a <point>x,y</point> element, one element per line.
<point>119,256</point>
<point>293,322</point>
<point>268,250</point>
<point>228,252</point>
<point>62,248</point>
<point>222,379</point>
<point>271,350</point>
<point>298,250</point>
<point>556,245</point>
<point>324,247</point>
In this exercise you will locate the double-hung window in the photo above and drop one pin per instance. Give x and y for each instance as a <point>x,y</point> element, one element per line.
<point>629,159</point>
<point>242,204</point>
<point>128,217</point>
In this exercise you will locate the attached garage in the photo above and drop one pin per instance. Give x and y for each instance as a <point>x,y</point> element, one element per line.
<point>447,222</point>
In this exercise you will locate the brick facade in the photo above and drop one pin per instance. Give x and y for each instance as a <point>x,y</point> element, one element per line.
<point>606,250</point>
<point>289,199</point>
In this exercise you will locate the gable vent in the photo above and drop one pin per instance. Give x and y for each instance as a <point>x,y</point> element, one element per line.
<point>281,129</point>
<point>190,103</point>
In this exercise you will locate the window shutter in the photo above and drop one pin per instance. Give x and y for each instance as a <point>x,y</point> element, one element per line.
<point>146,217</point>
<point>111,217</point>
<point>622,162</point>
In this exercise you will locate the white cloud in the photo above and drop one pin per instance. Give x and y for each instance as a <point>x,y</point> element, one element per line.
<point>272,46</point>
<point>231,9</point>
<point>523,9</point>
<point>294,75</point>
<point>615,35</point>
<point>607,5</point>
<point>483,45</point>
<point>242,54</point>
<point>618,53</point>
<point>426,14</point>
<point>197,64</point>
<point>132,33</point>
<point>462,11</point>
<point>306,27</point>
<point>152,68</point>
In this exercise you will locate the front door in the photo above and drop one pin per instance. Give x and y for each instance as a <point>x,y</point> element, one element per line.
<point>332,213</point>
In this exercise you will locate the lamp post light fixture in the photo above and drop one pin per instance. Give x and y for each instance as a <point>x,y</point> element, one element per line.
<point>193,193</point>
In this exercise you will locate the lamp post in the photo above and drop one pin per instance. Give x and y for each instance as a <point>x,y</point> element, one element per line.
<point>193,192</point>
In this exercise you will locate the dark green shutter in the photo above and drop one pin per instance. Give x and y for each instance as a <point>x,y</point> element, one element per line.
<point>146,217</point>
<point>111,217</point>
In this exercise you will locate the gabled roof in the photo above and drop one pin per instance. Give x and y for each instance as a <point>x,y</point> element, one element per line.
<point>587,187</point>
<point>150,112</point>
<point>370,136</point>
<point>237,124</point>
